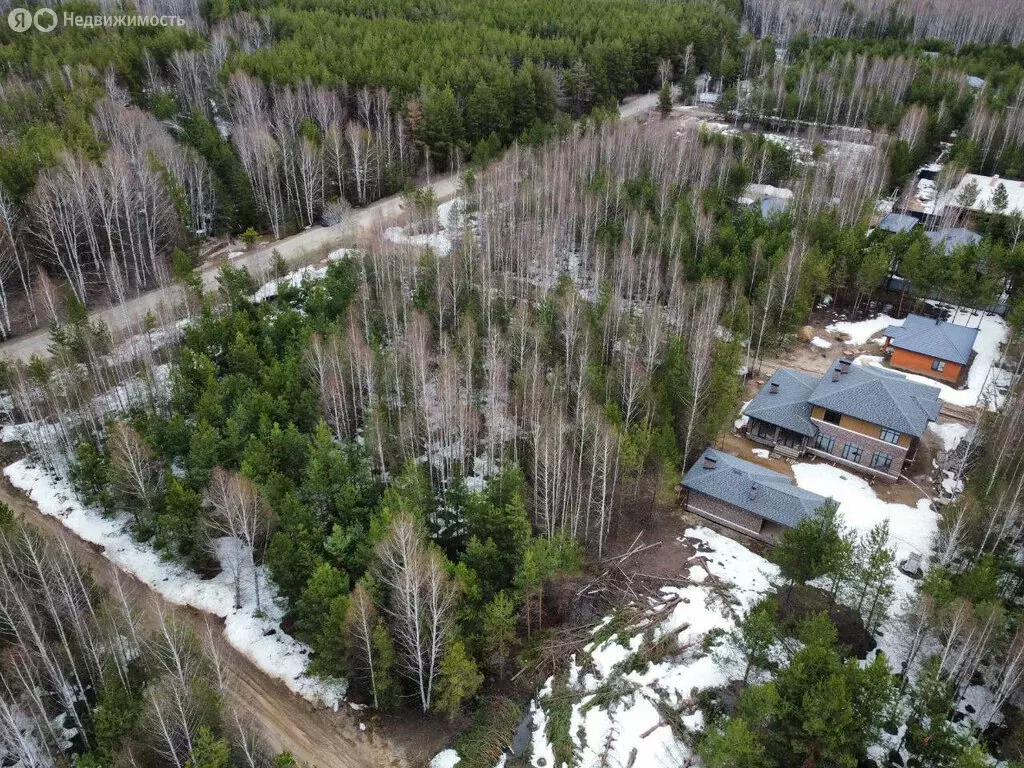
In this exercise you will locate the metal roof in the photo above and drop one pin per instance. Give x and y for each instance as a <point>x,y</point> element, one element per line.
<point>776,498</point>
<point>898,222</point>
<point>880,397</point>
<point>934,338</point>
<point>788,407</point>
<point>954,238</point>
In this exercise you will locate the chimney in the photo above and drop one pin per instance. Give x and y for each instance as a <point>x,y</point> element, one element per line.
<point>710,462</point>
<point>844,365</point>
<point>835,374</point>
<point>773,388</point>
<point>753,491</point>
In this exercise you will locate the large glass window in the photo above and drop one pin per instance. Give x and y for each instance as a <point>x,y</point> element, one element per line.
<point>938,365</point>
<point>890,436</point>
<point>881,461</point>
<point>852,452</point>
<point>824,442</point>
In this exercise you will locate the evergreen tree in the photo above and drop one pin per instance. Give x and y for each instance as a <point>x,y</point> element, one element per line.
<point>755,635</point>
<point>734,746</point>
<point>209,751</point>
<point>665,99</point>
<point>499,629</point>
<point>460,680</point>
<point>383,666</point>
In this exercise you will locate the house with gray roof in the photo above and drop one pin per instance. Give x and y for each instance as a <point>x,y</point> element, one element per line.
<point>780,415</point>
<point>898,222</point>
<point>931,347</point>
<point>745,496</point>
<point>953,238</point>
<point>865,417</point>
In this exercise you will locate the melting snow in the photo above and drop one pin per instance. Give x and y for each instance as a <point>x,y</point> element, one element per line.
<point>950,434</point>
<point>258,637</point>
<point>820,343</point>
<point>863,330</point>
<point>911,529</point>
<point>616,711</point>
<point>764,453</point>
<point>446,759</point>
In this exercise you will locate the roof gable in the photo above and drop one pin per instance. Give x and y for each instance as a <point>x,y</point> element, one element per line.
<point>898,222</point>
<point>879,397</point>
<point>788,407</point>
<point>938,339</point>
<point>776,497</point>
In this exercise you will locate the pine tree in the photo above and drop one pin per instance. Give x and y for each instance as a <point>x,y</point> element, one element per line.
<point>460,680</point>
<point>499,629</point>
<point>209,751</point>
<point>756,634</point>
<point>665,99</point>
<point>734,746</point>
<point>383,667</point>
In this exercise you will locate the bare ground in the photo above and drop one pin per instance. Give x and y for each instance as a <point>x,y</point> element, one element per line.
<point>314,736</point>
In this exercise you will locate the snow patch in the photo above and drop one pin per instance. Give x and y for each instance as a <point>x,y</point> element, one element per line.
<point>950,434</point>
<point>258,636</point>
<point>820,343</point>
<point>764,453</point>
<point>911,529</point>
<point>613,707</point>
<point>446,759</point>
<point>863,330</point>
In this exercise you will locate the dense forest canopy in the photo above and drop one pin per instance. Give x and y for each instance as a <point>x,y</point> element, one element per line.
<point>422,455</point>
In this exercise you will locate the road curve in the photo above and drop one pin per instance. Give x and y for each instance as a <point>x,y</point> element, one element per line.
<point>283,721</point>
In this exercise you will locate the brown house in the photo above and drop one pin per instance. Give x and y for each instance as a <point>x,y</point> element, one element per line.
<point>867,418</point>
<point>933,348</point>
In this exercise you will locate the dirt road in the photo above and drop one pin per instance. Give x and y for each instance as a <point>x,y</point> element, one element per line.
<point>317,737</point>
<point>292,249</point>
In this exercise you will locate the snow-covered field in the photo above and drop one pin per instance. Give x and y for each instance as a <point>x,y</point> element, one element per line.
<point>257,636</point>
<point>606,729</point>
<point>616,699</point>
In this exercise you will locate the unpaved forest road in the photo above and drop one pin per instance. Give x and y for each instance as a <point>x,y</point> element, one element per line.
<point>292,249</point>
<point>283,720</point>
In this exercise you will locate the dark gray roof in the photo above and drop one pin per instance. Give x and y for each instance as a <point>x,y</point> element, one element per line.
<point>788,408</point>
<point>898,222</point>
<point>934,338</point>
<point>954,238</point>
<point>880,397</point>
<point>777,498</point>
<point>773,205</point>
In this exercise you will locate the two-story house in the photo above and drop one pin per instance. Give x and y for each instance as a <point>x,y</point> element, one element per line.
<point>869,419</point>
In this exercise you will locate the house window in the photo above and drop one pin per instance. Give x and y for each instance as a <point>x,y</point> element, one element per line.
<point>824,442</point>
<point>881,461</point>
<point>938,365</point>
<point>852,452</point>
<point>765,430</point>
<point>890,436</point>
<point>833,417</point>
